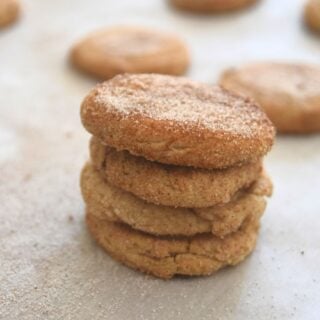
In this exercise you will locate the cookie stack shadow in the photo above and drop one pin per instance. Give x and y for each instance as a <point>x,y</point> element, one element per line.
<point>167,219</point>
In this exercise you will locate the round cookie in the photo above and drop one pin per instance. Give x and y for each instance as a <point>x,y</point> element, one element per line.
<point>9,11</point>
<point>116,50</point>
<point>312,15</point>
<point>177,121</point>
<point>171,185</point>
<point>165,257</point>
<point>209,6</point>
<point>289,93</point>
<point>108,202</point>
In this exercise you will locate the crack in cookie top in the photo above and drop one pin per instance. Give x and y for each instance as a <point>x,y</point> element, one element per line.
<point>167,118</point>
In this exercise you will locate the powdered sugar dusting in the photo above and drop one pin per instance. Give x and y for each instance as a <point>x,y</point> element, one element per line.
<point>181,102</point>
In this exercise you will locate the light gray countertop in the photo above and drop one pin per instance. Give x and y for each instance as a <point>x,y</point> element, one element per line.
<point>49,266</point>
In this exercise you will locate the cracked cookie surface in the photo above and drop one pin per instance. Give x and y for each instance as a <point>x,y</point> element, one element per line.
<point>113,204</point>
<point>171,185</point>
<point>165,257</point>
<point>177,121</point>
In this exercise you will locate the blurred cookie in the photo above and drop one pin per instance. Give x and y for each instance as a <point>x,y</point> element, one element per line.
<point>208,6</point>
<point>108,202</point>
<point>177,121</point>
<point>165,257</point>
<point>171,185</point>
<point>289,93</point>
<point>116,50</point>
<point>312,14</point>
<point>9,11</point>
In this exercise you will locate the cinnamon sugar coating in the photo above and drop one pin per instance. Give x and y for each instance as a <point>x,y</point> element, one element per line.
<point>165,257</point>
<point>171,185</point>
<point>177,121</point>
<point>106,201</point>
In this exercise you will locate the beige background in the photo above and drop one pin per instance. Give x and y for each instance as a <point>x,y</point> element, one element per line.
<point>49,266</point>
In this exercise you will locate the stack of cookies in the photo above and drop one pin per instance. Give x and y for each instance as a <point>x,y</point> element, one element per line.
<point>175,184</point>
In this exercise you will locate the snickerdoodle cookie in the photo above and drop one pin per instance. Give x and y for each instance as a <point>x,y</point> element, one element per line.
<point>9,11</point>
<point>208,6</point>
<point>171,185</point>
<point>289,93</point>
<point>116,50</point>
<point>165,257</point>
<point>106,201</point>
<point>312,14</point>
<point>177,121</point>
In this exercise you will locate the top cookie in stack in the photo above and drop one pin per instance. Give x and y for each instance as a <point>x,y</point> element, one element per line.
<point>175,184</point>
<point>177,121</point>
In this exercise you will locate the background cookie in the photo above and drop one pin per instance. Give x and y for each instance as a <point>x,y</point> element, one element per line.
<point>164,257</point>
<point>289,93</point>
<point>108,202</point>
<point>116,50</point>
<point>312,14</point>
<point>177,121</point>
<point>171,185</point>
<point>9,11</point>
<point>211,5</point>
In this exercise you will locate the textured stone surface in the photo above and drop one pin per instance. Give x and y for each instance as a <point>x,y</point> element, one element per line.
<point>49,266</point>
